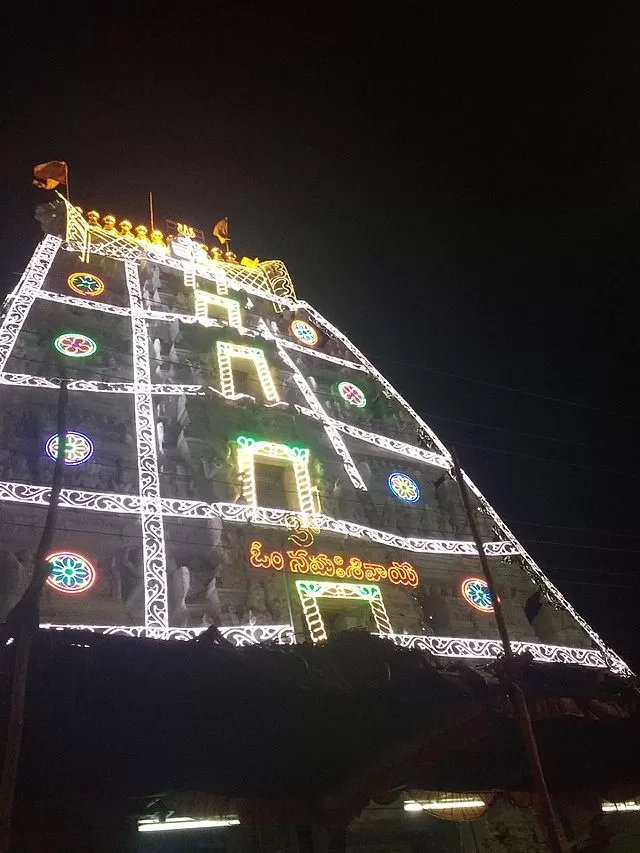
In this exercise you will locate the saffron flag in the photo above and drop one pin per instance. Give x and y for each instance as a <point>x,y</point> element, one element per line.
<point>47,176</point>
<point>221,230</point>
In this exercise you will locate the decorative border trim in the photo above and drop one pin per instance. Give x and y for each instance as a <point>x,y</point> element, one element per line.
<point>613,661</point>
<point>460,647</point>
<point>332,434</point>
<point>310,591</point>
<point>155,562</point>
<point>25,295</point>
<point>239,635</point>
<point>77,302</point>
<point>329,327</point>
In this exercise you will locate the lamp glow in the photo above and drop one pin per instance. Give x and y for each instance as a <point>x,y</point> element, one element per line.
<point>78,448</point>
<point>182,823</point>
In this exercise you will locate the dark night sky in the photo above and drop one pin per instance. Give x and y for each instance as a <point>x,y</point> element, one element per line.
<point>460,194</point>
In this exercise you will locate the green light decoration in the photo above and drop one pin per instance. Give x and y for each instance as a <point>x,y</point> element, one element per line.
<point>271,448</point>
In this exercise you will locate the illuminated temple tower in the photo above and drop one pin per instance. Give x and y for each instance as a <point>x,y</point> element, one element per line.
<point>234,460</point>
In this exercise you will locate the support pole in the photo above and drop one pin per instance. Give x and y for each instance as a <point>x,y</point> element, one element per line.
<point>555,835</point>
<point>21,627</point>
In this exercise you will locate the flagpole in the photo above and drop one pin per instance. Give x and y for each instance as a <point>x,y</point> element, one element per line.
<point>66,175</point>
<point>151,209</point>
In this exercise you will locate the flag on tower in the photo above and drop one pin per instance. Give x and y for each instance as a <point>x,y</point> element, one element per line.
<point>221,230</point>
<point>47,176</point>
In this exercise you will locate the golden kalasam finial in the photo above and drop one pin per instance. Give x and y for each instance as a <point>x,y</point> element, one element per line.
<point>124,228</point>
<point>215,253</point>
<point>231,257</point>
<point>141,235</point>
<point>157,241</point>
<point>109,225</point>
<point>93,218</point>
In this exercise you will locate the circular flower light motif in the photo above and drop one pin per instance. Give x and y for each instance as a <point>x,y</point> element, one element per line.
<point>350,393</point>
<point>78,448</point>
<point>70,573</point>
<point>85,284</point>
<point>305,333</point>
<point>75,345</point>
<point>476,593</point>
<point>403,487</point>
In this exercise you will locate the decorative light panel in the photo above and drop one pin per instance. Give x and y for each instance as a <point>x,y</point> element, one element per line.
<point>304,332</point>
<point>351,394</point>
<point>311,591</point>
<point>70,572</point>
<point>301,561</point>
<point>475,592</point>
<point>23,297</point>
<point>78,448</point>
<point>75,345</point>
<point>403,487</point>
<point>250,448</point>
<point>227,351</point>
<point>231,306</point>
<point>85,284</point>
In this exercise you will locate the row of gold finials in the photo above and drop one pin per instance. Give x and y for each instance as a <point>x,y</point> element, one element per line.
<point>155,240</point>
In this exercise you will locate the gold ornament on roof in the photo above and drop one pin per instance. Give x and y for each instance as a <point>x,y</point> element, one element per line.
<point>109,224</point>
<point>125,229</point>
<point>93,218</point>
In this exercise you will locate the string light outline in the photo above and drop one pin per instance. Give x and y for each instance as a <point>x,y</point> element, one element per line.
<point>227,351</point>
<point>310,591</point>
<point>249,448</point>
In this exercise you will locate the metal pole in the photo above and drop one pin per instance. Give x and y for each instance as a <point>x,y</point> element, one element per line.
<point>22,626</point>
<point>555,835</point>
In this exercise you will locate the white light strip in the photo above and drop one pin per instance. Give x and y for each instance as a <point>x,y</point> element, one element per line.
<point>630,806</point>
<point>237,635</point>
<point>269,517</point>
<point>390,444</point>
<point>25,294</point>
<point>332,434</point>
<point>155,566</point>
<point>317,354</point>
<point>615,663</point>
<point>266,516</point>
<point>90,304</point>
<point>444,805</point>
<point>183,823</point>
<point>329,327</point>
<point>461,647</point>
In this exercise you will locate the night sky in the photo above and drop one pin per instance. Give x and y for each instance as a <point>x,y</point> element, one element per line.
<point>458,192</point>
